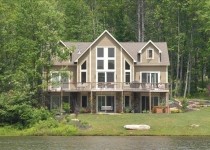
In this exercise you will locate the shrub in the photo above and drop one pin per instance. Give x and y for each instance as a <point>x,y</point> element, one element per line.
<point>184,105</point>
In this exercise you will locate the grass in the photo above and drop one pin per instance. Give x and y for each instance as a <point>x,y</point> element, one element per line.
<point>103,124</point>
<point>161,124</point>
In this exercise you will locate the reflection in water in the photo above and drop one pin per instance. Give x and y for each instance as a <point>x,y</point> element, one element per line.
<point>104,143</point>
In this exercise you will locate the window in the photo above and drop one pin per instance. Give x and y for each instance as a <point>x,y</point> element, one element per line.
<point>127,101</point>
<point>60,79</point>
<point>139,57</point>
<point>160,57</point>
<point>100,64</point>
<point>155,101</point>
<point>110,52</point>
<point>83,72</point>
<point>105,60</point>
<point>100,52</point>
<point>150,54</point>
<point>150,77</point>
<point>83,67</point>
<point>127,73</point>
<point>84,101</point>
<point>110,64</point>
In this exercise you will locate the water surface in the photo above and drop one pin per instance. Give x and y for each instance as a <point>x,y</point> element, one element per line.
<point>104,143</point>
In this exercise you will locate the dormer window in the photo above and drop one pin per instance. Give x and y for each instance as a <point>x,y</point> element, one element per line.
<point>150,54</point>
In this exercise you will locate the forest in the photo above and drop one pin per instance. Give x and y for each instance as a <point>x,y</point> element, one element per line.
<point>30,31</point>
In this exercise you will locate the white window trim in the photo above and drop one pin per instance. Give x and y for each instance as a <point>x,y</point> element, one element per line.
<point>81,101</point>
<point>129,101</point>
<point>158,72</point>
<point>147,53</point>
<point>59,78</point>
<point>127,71</point>
<point>105,59</point>
<point>83,70</point>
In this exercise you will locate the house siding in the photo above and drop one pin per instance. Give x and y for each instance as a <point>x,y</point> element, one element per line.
<point>144,55</point>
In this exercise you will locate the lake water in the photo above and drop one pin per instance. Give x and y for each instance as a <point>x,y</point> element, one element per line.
<point>105,143</point>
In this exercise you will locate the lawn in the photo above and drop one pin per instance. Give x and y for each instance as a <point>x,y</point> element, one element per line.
<point>112,124</point>
<point>161,124</point>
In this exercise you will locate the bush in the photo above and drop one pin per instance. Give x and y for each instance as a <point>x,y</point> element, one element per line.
<point>184,105</point>
<point>128,109</point>
<point>51,127</point>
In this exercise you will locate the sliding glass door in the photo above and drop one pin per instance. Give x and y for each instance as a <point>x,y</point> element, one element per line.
<point>105,103</point>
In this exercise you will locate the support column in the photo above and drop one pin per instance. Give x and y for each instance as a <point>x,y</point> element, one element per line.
<point>122,97</point>
<point>167,104</point>
<point>91,102</point>
<point>150,102</point>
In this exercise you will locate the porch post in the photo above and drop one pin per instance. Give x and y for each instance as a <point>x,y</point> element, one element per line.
<point>91,102</point>
<point>167,98</point>
<point>122,101</point>
<point>150,107</point>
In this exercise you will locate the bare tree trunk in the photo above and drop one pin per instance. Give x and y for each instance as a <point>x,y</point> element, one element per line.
<point>178,58</point>
<point>190,63</point>
<point>139,19</point>
<point>187,75</point>
<point>142,20</point>
<point>171,79</point>
<point>140,23</point>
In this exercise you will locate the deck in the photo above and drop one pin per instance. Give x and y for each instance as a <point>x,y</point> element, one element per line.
<point>110,86</point>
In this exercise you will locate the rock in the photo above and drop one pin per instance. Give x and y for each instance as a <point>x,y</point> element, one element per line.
<point>194,125</point>
<point>74,119</point>
<point>137,127</point>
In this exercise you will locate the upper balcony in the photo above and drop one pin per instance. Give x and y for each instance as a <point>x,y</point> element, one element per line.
<point>109,86</point>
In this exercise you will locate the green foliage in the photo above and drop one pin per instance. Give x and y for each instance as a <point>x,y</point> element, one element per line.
<point>184,105</point>
<point>66,107</point>
<point>128,109</point>
<point>50,127</point>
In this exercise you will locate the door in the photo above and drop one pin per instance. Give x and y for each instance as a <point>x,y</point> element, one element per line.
<point>145,103</point>
<point>105,103</point>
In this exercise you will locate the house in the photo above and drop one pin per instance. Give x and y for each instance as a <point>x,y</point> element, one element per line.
<point>111,76</point>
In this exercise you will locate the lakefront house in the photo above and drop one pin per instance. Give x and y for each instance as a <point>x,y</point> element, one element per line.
<point>108,76</point>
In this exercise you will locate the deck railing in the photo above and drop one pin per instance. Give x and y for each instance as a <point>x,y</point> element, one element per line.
<point>88,86</point>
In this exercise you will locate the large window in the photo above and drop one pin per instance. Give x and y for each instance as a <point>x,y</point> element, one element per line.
<point>105,61</point>
<point>150,77</point>
<point>83,72</point>
<point>127,73</point>
<point>60,79</point>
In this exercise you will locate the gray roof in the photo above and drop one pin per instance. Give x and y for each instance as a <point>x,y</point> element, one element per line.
<point>131,47</point>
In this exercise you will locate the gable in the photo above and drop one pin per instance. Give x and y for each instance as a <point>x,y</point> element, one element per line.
<point>106,38</point>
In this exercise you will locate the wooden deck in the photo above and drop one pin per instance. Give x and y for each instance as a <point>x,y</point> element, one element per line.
<point>111,86</point>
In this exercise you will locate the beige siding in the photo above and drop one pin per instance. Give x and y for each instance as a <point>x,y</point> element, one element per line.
<point>156,55</point>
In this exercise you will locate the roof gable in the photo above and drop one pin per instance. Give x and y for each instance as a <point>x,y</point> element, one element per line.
<point>98,39</point>
<point>140,51</point>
